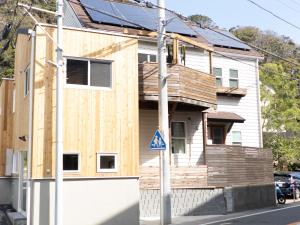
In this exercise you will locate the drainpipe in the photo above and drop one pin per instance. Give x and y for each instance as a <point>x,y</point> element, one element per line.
<point>259,105</point>
<point>29,151</point>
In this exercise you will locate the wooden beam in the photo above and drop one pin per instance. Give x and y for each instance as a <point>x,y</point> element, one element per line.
<point>175,51</point>
<point>192,42</point>
<point>210,63</point>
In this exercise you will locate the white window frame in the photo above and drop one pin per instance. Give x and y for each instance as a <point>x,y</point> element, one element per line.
<point>233,78</point>
<point>179,138</point>
<point>88,85</point>
<point>241,142</point>
<point>99,170</point>
<point>79,162</point>
<point>27,81</point>
<point>219,77</point>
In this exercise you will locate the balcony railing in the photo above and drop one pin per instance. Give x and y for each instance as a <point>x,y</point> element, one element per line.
<point>185,85</point>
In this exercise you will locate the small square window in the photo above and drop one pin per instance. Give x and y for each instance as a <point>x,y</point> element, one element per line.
<point>106,163</point>
<point>100,74</point>
<point>77,72</point>
<point>236,138</point>
<point>71,162</point>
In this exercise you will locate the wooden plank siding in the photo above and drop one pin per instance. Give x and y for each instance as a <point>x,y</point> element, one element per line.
<point>6,119</point>
<point>237,165</point>
<point>95,121</point>
<point>185,85</point>
<point>181,177</point>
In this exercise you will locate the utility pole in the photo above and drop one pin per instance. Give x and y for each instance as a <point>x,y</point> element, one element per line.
<point>59,117</point>
<point>165,186</point>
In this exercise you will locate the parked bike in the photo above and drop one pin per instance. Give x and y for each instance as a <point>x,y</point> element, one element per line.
<point>279,195</point>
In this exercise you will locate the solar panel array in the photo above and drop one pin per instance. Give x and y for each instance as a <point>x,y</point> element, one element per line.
<point>119,14</point>
<point>137,16</point>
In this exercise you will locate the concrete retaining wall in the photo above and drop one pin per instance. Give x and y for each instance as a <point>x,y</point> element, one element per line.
<point>184,202</point>
<point>249,197</point>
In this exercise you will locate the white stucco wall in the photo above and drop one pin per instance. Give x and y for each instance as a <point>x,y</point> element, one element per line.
<point>106,201</point>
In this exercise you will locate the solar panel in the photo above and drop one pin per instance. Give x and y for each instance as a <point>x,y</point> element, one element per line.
<point>132,16</point>
<point>221,40</point>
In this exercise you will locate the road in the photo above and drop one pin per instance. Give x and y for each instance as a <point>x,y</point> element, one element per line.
<point>280,216</point>
<point>288,214</point>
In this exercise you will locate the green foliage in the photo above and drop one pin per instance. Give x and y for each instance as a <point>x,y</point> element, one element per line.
<point>9,13</point>
<point>203,21</point>
<point>279,94</point>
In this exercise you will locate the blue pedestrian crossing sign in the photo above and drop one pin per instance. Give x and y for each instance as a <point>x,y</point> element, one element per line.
<point>157,142</point>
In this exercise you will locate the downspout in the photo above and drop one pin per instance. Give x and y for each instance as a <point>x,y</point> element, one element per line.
<point>30,133</point>
<point>259,105</point>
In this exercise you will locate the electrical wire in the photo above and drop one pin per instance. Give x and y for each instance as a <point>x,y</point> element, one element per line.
<point>273,14</point>
<point>288,6</point>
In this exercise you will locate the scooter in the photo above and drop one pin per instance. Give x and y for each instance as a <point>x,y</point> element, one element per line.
<point>279,195</point>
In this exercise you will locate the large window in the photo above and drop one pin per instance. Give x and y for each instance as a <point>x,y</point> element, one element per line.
<point>106,162</point>
<point>89,73</point>
<point>218,73</point>
<point>178,137</point>
<point>236,137</point>
<point>233,78</point>
<point>71,162</point>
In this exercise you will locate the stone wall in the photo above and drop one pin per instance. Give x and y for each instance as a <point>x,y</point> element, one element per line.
<point>184,202</point>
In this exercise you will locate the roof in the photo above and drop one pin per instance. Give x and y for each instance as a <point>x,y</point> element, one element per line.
<point>225,116</point>
<point>121,17</point>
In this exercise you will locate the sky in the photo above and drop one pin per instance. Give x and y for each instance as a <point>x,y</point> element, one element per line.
<point>232,13</point>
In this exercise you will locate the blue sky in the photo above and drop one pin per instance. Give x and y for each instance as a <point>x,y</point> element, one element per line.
<point>231,13</point>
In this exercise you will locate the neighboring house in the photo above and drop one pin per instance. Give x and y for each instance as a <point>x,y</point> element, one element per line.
<point>110,115</point>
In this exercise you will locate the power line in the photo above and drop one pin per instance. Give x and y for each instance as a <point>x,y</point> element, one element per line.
<point>273,14</point>
<point>288,6</point>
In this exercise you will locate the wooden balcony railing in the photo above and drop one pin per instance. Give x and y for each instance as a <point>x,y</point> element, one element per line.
<point>185,85</point>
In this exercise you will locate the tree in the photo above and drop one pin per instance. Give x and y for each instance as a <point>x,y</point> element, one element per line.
<point>203,21</point>
<point>14,16</point>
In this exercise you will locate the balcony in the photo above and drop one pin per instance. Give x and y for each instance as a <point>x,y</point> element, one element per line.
<point>185,85</point>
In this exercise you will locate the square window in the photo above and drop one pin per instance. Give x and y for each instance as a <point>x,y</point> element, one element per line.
<point>77,72</point>
<point>236,138</point>
<point>71,162</point>
<point>178,137</point>
<point>100,74</point>
<point>142,57</point>
<point>106,163</point>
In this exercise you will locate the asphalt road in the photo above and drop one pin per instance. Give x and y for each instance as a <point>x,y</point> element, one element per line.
<point>288,215</point>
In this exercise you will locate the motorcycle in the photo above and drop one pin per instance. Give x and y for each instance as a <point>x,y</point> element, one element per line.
<point>279,195</point>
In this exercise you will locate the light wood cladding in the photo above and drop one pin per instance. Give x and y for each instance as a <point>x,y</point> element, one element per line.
<point>185,85</point>
<point>95,121</point>
<point>237,165</point>
<point>181,177</point>
<point>6,118</point>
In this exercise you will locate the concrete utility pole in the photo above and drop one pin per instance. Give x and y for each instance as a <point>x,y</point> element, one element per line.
<point>165,186</point>
<point>59,117</point>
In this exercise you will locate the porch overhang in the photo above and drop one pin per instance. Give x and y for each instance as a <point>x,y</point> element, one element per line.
<point>227,117</point>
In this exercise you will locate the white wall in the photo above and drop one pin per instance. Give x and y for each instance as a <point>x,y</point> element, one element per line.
<point>247,106</point>
<point>194,143</point>
<point>106,201</point>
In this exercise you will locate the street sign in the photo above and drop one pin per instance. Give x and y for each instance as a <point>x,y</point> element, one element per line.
<point>157,142</point>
